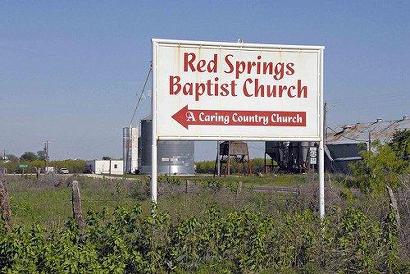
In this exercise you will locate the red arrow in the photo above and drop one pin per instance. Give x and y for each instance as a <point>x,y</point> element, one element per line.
<point>187,117</point>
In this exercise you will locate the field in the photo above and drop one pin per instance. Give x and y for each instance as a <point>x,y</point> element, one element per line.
<point>202,224</point>
<point>31,200</point>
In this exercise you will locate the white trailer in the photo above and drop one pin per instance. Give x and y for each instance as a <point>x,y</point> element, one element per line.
<point>112,167</point>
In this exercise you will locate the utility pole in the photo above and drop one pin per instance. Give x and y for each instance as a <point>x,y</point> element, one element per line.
<point>369,141</point>
<point>3,169</point>
<point>218,160</point>
<point>325,122</point>
<point>46,153</point>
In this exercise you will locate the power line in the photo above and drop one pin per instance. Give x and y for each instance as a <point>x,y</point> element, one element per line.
<point>141,94</point>
<point>349,100</point>
<point>373,95</point>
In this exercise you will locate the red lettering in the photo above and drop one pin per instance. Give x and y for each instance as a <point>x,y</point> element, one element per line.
<point>259,89</point>
<point>250,66</point>
<point>224,90</point>
<point>290,89</point>
<point>302,89</point>
<point>240,67</point>
<point>279,71</point>
<point>173,85</point>
<point>187,89</point>
<point>213,64</point>
<point>281,90</point>
<point>290,69</point>
<point>199,90</point>
<point>233,85</point>
<point>245,90</point>
<point>201,65</point>
<point>229,63</point>
<point>189,63</point>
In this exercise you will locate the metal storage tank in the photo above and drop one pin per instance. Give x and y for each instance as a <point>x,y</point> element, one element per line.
<point>272,149</point>
<point>174,157</point>
<point>289,156</point>
<point>295,154</point>
<point>305,151</point>
<point>125,148</point>
<point>130,149</point>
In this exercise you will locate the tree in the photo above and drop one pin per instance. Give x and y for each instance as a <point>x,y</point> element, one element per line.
<point>28,156</point>
<point>106,158</point>
<point>378,169</point>
<point>41,155</point>
<point>381,171</point>
<point>12,157</point>
<point>383,167</point>
<point>401,144</point>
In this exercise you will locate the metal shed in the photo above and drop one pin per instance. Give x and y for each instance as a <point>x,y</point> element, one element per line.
<point>344,143</point>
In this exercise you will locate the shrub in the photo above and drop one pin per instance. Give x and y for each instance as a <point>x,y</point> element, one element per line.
<point>237,241</point>
<point>74,166</point>
<point>378,169</point>
<point>208,167</point>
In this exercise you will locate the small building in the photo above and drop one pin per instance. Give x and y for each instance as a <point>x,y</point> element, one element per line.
<point>344,143</point>
<point>110,167</point>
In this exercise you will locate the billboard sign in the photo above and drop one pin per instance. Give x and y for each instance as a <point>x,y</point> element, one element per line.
<point>236,91</point>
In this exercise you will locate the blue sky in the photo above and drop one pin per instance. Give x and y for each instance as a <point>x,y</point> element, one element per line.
<point>70,70</point>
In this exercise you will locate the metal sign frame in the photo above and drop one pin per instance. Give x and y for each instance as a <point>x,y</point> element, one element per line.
<point>155,137</point>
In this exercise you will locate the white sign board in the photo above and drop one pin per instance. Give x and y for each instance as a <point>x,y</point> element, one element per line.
<point>236,91</point>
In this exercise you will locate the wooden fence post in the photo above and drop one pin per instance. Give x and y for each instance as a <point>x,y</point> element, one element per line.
<point>5,206</point>
<point>239,189</point>
<point>76,203</point>
<point>394,206</point>
<point>187,183</point>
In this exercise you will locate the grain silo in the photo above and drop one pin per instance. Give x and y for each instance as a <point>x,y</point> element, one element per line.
<point>174,157</point>
<point>130,149</point>
<point>289,156</point>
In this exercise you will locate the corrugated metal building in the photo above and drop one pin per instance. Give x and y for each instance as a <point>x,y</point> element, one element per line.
<point>344,143</point>
<point>174,157</point>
